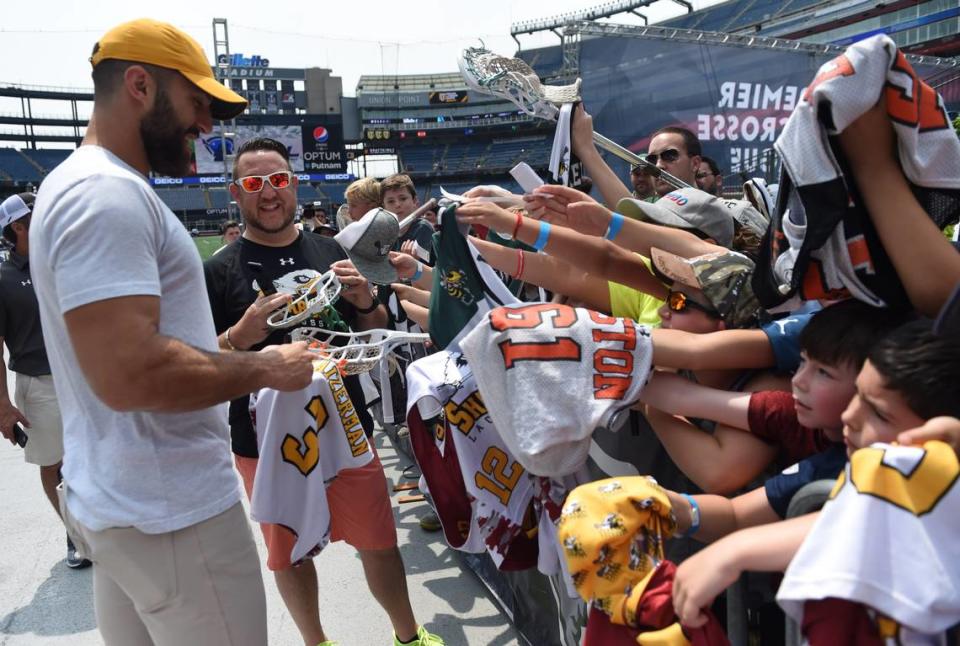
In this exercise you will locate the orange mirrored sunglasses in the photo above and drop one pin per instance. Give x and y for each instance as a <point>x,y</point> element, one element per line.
<point>678,302</point>
<point>255,183</point>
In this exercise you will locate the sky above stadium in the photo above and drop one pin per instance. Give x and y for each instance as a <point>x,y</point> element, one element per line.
<point>45,42</point>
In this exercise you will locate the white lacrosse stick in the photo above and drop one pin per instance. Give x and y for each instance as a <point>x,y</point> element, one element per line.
<point>429,205</point>
<point>514,80</point>
<point>322,291</point>
<point>362,352</point>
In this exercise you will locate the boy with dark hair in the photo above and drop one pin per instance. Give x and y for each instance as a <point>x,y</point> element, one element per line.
<point>806,425</point>
<point>911,376</point>
<point>399,196</point>
<point>797,424</point>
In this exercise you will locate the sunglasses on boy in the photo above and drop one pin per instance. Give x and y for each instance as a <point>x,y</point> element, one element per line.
<point>679,302</point>
<point>254,183</point>
<point>669,155</point>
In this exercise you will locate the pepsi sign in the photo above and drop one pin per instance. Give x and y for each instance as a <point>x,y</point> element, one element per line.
<point>323,145</point>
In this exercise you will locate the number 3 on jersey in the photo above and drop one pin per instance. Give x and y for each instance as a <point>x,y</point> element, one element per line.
<point>915,482</point>
<point>304,453</point>
<point>498,475</point>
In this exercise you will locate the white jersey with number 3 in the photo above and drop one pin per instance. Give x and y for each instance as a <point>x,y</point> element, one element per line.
<point>889,538</point>
<point>305,438</point>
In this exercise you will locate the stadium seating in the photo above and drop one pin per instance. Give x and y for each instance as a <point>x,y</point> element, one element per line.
<point>219,198</point>
<point>736,14</point>
<point>307,193</point>
<point>545,61</point>
<point>48,158</point>
<point>14,164</point>
<point>182,199</point>
<point>333,192</point>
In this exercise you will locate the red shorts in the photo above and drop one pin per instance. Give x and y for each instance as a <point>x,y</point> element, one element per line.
<point>360,511</point>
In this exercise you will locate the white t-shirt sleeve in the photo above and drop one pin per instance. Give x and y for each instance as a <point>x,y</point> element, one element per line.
<point>84,269</point>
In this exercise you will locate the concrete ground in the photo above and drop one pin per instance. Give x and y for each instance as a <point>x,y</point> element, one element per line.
<point>44,602</point>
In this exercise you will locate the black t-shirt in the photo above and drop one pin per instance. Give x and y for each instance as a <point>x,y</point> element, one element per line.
<point>20,318</point>
<point>234,279</point>
<point>421,231</point>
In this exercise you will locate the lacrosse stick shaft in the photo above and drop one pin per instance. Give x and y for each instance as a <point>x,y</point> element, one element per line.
<point>633,158</point>
<point>429,205</point>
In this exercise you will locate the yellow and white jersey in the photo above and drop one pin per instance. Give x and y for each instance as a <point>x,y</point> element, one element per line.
<point>499,487</point>
<point>305,438</point>
<point>889,539</point>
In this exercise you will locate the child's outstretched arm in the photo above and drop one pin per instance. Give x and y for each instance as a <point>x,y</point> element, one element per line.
<point>673,394</point>
<point>703,576</point>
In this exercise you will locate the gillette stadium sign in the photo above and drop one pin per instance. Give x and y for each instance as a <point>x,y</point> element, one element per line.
<point>239,60</point>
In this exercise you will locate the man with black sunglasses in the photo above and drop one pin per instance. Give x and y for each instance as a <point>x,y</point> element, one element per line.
<point>677,151</point>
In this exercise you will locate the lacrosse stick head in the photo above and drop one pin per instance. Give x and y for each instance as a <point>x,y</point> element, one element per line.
<point>319,292</point>
<point>356,352</point>
<point>513,79</point>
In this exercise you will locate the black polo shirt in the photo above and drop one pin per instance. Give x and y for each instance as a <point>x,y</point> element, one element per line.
<point>20,318</point>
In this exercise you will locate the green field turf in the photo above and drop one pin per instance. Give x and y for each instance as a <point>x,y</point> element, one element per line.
<point>206,245</point>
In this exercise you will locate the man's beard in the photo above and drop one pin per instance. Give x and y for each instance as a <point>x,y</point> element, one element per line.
<point>253,222</point>
<point>164,139</point>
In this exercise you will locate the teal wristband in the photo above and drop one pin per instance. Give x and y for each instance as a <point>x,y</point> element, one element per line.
<point>694,516</point>
<point>613,230</point>
<point>544,235</point>
<point>418,273</point>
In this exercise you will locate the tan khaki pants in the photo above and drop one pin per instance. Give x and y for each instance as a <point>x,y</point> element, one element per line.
<point>198,585</point>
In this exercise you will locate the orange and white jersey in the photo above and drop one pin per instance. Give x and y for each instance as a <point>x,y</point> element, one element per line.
<point>305,439</point>
<point>552,374</point>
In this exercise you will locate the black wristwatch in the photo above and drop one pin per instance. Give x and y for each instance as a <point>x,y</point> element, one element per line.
<point>366,310</point>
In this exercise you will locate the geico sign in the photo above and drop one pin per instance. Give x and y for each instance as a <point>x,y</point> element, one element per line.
<point>168,180</point>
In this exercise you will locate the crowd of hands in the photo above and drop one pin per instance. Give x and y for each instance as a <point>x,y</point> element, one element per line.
<point>927,264</point>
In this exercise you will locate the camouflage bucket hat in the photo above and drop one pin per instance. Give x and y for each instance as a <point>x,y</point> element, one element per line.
<point>723,277</point>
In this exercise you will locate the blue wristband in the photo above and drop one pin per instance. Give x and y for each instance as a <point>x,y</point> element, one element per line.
<point>418,273</point>
<point>694,516</point>
<point>544,235</point>
<point>613,230</point>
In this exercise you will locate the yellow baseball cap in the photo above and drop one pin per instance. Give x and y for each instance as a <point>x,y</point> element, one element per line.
<point>162,44</point>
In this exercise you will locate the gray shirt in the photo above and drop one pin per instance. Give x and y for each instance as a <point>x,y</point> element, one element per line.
<point>20,318</point>
<point>100,232</point>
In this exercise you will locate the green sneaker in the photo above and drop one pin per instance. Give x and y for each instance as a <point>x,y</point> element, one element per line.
<point>329,642</point>
<point>423,639</point>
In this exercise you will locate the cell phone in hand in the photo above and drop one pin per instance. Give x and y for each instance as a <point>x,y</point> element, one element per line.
<point>19,435</point>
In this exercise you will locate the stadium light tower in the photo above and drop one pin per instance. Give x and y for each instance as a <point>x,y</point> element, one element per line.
<point>223,69</point>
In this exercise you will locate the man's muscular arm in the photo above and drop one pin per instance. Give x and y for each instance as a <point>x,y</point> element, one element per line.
<point>132,367</point>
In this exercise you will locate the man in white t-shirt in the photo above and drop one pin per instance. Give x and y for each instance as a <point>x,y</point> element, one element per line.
<point>149,491</point>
